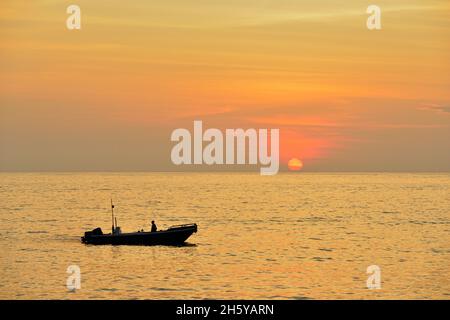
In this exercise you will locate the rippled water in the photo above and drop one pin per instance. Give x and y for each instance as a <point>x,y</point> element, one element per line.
<point>290,236</point>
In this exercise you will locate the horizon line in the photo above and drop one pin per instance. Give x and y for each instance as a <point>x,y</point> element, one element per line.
<point>216,171</point>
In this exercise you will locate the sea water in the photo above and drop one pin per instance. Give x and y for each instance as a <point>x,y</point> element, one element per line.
<point>289,236</point>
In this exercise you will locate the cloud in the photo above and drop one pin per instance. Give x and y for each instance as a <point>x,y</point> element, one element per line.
<point>439,108</point>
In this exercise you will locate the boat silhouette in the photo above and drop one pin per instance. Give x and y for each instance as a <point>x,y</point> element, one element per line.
<point>175,235</point>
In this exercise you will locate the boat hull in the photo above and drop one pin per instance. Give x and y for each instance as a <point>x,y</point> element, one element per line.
<point>172,236</point>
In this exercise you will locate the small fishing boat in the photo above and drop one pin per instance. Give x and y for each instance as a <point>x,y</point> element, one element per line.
<point>175,235</point>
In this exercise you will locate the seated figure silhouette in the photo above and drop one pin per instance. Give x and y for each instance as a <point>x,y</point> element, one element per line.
<point>154,228</point>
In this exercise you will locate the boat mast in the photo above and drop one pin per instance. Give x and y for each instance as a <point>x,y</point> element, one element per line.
<point>112,216</point>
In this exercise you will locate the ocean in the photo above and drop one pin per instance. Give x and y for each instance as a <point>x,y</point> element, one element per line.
<point>289,236</point>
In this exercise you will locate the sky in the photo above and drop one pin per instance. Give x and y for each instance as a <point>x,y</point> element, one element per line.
<point>108,96</point>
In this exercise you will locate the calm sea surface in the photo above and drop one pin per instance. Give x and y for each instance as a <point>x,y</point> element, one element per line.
<point>290,236</point>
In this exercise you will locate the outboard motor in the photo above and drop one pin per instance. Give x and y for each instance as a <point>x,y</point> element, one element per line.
<point>95,232</point>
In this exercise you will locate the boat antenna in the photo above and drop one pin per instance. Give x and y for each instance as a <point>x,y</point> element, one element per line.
<point>112,215</point>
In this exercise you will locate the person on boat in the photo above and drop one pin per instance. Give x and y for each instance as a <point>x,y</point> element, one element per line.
<point>154,228</point>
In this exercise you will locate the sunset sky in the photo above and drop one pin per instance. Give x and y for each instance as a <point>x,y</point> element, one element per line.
<point>107,97</point>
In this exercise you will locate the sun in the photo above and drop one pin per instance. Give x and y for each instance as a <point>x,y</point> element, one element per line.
<point>295,164</point>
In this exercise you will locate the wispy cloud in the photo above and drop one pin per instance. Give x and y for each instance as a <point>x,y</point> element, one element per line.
<point>439,108</point>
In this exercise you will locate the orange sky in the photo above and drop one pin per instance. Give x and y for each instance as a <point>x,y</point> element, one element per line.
<point>106,97</point>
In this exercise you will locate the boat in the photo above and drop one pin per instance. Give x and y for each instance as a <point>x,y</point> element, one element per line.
<point>175,235</point>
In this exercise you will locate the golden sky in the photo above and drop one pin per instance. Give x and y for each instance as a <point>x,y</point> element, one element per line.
<point>106,97</point>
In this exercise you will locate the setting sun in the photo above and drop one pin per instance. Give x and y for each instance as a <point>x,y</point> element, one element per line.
<point>295,164</point>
